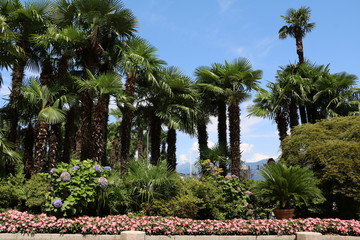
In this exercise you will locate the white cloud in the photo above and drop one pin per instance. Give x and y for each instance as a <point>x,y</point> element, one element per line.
<point>246,147</point>
<point>195,146</point>
<point>258,156</point>
<point>183,159</point>
<point>212,125</point>
<point>224,5</point>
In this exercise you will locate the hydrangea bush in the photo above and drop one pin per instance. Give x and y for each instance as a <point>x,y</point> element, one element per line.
<point>22,222</point>
<point>75,187</point>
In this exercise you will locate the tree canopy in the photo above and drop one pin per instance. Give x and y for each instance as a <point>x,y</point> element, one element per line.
<point>331,149</point>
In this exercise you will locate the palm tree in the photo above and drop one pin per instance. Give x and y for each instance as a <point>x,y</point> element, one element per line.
<point>50,112</point>
<point>272,104</point>
<point>239,79</point>
<point>138,59</point>
<point>297,27</point>
<point>180,110</point>
<point>23,20</point>
<point>8,156</point>
<point>213,94</point>
<point>102,87</point>
<point>106,23</point>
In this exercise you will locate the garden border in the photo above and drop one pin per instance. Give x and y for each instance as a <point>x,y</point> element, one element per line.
<point>138,235</point>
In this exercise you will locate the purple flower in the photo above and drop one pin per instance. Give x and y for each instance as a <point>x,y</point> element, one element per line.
<point>76,167</point>
<point>65,176</point>
<point>103,182</point>
<point>97,168</point>
<point>233,176</point>
<point>249,193</point>
<point>57,203</point>
<point>52,171</point>
<point>107,168</point>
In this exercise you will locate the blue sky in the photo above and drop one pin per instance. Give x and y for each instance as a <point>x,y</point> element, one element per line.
<point>192,33</point>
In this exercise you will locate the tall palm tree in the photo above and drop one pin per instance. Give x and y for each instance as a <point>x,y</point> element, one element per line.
<point>105,22</point>
<point>272,104</point>
<point>179,111</point>
<point>212,87</point>
<point>24,20</point>
<point>102,87</point>
<point>297,27</point>
<point>239,79</point>
<point>138,59</point>
<point>49,112</point>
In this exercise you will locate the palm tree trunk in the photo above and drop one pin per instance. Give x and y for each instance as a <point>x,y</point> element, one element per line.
<point>234,126</point>
<point>126,124</point>
<point>84,133</point>
<point>54,145</point>
<point>222,136</point>
<point>293,114</point>
<point>40,146</point>
<point>28,157</point>
<point>100,118</point>
<point>202,138</point>
<point>114,158</point>
<point>16,82</point>
<point>171,150</point>
<point>46,75</point>
<point>303,116</point>
<point>299,49</point>
<point>70,132</point>
<point>139,143</point>
<point>155,136</point>
<point>282,123</point>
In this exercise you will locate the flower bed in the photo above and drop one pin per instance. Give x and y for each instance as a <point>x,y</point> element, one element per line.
<point>22,222</point>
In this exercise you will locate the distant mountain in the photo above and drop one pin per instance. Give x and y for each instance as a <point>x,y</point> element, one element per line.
<point>185,168</point>
<point>255,168</point>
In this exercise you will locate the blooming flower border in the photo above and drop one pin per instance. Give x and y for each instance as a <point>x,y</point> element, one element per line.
<point>23,222</point>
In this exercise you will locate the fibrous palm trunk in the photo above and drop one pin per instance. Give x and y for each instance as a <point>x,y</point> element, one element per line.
<point>40,146</point>
<point>202,138</point>
<point>54,145</point>
<point>222,136</point>
<point>299,49</point>
<point>16,83</point>
<point>70,132</point>
<point>171,149</point>
<point>28,157</point>
<point>155,136</point>
<point>100,118</point>
<point>84,133</point>
<point>125,128</point>
<point>234,126</point>
<point>282,123</point>
<point>293,114</point>
<point>140,143</point>
<point>303,116</point>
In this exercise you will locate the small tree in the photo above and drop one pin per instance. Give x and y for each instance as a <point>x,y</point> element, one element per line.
<point>331,149</point>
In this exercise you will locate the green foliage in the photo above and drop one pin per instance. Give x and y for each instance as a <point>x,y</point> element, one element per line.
<point>288,186</point>
<point>80,193</point>
<point>331,149</point>
<point>27,195</point>
<point>12,192</point>
<point>35,191</point>
<point>146,181</point>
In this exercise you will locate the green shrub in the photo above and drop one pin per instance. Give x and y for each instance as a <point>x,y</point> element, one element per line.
<point>12,192</point>
<point>36,189</point>
<point>77,188</point>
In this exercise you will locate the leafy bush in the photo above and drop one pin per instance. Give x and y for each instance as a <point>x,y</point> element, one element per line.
<point>288,186</point>
<point>77,188</point>
<point>35,190</point>
<point>12,192</point>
